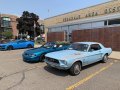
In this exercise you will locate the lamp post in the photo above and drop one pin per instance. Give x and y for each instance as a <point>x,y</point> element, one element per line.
<point>34,30</point>
<point>42,29</point>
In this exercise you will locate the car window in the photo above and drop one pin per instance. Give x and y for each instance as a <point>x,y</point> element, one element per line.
<point>22,41</point>
<point>78,46</point>
<point>48,45</point>
<point>95,47</point>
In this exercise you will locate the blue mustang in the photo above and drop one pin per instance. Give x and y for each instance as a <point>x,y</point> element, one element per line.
<point>38,54</point>
<point>78,54</point>
<point>16,45</point>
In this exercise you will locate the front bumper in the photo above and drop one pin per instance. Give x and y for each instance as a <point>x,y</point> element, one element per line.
<point>2,48</point>
<point>58,66</point>
<point>30,59</point>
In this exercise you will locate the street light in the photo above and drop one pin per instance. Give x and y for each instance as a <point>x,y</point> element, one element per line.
<point>34,30</point>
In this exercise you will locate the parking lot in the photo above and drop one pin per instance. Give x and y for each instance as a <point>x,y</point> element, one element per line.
<point>15,74</point>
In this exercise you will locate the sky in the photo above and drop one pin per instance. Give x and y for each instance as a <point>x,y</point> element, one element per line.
<point>45,8</point>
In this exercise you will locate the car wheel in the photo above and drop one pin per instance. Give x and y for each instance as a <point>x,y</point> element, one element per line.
<point>29,46</point>
<point>75,69</point>
<point>42,57</point>
<point>10,48</point>
<point>105,59</point>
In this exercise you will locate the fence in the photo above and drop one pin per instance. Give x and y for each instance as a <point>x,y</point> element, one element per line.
<point>109,37</point>
<point>55,36</point>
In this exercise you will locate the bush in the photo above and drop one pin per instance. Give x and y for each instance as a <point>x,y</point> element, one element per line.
<point>63,42</point>
<point>7,34</point>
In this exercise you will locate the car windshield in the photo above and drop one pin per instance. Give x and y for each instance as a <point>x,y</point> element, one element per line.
<point>14,41</point>
<point>48,45</point>
<point>78,46</point>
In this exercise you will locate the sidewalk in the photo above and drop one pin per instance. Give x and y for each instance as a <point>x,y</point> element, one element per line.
<point>115,55</point>
<point>36,45</point>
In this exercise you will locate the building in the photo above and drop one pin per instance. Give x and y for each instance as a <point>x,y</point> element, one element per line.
<point>8,22</point>
<point>87,24</point>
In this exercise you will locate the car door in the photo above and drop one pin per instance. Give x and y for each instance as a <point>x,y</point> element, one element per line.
<point>21,44</point>
<point>94,54</point>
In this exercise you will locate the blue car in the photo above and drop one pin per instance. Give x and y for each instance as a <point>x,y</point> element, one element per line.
<point>78,54</point>
<point>17,44</point>
<point>38,54</point>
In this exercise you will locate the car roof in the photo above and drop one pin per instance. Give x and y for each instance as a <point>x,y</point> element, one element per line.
<point>89,43</point>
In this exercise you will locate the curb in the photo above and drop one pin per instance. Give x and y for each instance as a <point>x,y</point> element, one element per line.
<point>115,59</point>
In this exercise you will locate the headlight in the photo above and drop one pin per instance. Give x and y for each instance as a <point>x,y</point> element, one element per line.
<point>32,55</point>
<point>3,45</point>
<point>63,61</point>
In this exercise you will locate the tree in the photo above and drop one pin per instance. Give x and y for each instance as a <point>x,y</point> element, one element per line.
<point>28,24</point>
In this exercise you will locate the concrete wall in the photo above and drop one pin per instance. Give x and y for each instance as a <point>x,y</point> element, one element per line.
<point>89,12</point>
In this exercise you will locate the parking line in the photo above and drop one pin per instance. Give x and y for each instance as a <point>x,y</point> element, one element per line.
<point>72,87</point>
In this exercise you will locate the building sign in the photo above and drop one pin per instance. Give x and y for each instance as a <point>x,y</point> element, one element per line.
<point>112,10</point>
<point>71,18</point>
<point>92,14</point>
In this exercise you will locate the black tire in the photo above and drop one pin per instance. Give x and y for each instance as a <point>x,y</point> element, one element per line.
<point>10,48</point>
<point>42,57</point>
<point>75,69</point>
<point>105,58</point>
<point>29,46</point>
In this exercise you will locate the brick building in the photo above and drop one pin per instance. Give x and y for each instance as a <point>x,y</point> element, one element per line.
<point>8,22</point>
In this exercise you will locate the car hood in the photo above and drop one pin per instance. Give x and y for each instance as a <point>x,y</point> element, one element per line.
<point>35,50</point>
<point>66,54</point>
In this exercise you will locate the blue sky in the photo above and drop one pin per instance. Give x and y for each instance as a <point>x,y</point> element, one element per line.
<point>45,8</point>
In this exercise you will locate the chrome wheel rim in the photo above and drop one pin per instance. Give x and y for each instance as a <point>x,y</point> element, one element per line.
<point>105,58</point>
<point>77,69</point>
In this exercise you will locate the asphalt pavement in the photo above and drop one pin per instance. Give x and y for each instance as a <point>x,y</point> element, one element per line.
<point>15,74</point>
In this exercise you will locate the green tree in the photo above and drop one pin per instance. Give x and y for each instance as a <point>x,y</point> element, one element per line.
<point>28,24</point>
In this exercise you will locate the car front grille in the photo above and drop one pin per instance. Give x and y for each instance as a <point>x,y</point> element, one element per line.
<point>52,60</point>
<point>2,47</point>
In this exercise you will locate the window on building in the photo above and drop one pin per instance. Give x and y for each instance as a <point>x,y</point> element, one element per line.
<point>114,22</point>
<point>49,29</point>
<point>97,24</point>
<point>6,22</point>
